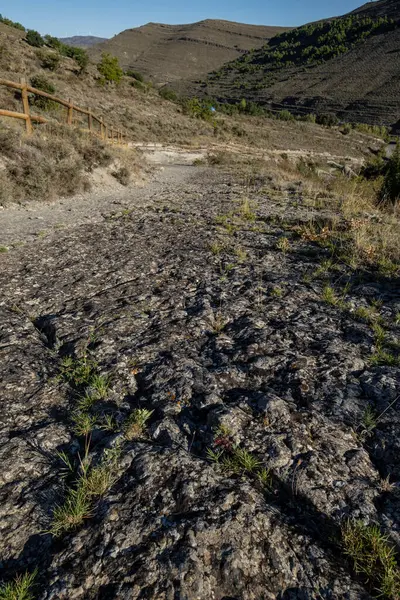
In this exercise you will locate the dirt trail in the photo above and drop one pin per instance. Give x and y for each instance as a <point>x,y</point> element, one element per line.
<point>26,222</point>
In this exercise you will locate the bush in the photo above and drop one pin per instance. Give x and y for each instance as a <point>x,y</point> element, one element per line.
<point>52,42</point>
<point>390,191</point>
<point>200,109</point>
<point>168,94</point>
<point>34,38</point>
<point>285,115</point>
<point>79,55</point>
<point>41,83</point>
<point>10,23</point>
<point>50,61</point>
<point>109,69</point>
<point>135,75</point>
<point>327,120</point>
<point>309,118</point>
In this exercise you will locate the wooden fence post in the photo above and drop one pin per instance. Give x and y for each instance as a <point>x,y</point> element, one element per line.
<point>70,112</point>
<point>102,128</point>
<point>90,119</point>
<point>25,104</point>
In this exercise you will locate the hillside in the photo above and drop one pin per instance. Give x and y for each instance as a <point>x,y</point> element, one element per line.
<point>170,52</point>
<point>33,169</point>
<point>349,65</point>
<point>83,41</point>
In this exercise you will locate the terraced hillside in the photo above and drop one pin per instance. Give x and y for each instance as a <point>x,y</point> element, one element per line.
<point>350,65</point>
<point>169,52</point>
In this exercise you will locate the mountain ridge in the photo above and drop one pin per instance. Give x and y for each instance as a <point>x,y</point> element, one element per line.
<point>167,53</point>
<point>83,41</point>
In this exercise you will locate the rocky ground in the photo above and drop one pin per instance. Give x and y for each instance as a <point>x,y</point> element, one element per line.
<point>268,423</point>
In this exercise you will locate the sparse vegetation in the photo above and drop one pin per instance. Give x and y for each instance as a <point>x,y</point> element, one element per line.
<point>19,589</point>
<point>135,425</point>
<point>373,556</point>
<point>168,94</point>
<point>390,191</point>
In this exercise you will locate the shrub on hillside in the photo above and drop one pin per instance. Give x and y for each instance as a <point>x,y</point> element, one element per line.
<point>285,115</point>
<point>109,69</point>
<point>390,191</point>
<point>168,94</point>
<point>327,120</point>
<point>10,23</point>
<point>50,60</point>
<point>135,75</point>
<point>34,38</point>
<point>311,118</point>
<point>199,109</point>
<point>79,55</point>
<point>52,42</point>
<point>41,83</point>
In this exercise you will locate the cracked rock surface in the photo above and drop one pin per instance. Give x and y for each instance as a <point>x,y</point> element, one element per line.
<point>211,330</point>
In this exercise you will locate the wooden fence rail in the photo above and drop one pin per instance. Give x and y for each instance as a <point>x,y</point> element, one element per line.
<point>105,132</point>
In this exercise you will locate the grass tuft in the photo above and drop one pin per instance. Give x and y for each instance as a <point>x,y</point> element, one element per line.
<point>373,556</point>
<point>136,423</point>
<point>20,588</point>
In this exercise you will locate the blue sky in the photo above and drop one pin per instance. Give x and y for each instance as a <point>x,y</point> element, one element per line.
<point>105,18</point>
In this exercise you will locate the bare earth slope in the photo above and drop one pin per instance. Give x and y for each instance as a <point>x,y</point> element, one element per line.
<point>169,52</point>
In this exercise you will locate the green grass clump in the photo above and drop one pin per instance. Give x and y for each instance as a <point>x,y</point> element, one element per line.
<point>77,371</point>
<point>69,515</point>
<point>92,483</point>
<point>20,588</point>
<point>329,296</point>
<point>373,556</point>
<point>136,423</point>
<point>240,461</point>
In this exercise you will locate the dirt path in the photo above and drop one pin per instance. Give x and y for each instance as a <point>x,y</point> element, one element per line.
<point>20,224</point>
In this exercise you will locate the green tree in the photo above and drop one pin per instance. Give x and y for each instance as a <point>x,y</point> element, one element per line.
<point>34,38</point>
<point>109,69</point>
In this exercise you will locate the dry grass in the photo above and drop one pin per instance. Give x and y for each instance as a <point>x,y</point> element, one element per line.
<point>56,161</point>
<point>354,225</point>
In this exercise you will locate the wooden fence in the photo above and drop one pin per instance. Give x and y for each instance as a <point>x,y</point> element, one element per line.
<point>105,132</point>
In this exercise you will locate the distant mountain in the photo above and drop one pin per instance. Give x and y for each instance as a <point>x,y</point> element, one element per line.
<point>349,65</point>
<point>83,41</point>
<point>167,53</point>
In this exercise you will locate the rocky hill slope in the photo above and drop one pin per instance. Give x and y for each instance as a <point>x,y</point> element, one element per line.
<point>349,65</point>
<point>169,52</point>
<point>83,41</point>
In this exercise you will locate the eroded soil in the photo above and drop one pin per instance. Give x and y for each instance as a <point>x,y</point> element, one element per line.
<point>227,339</point>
